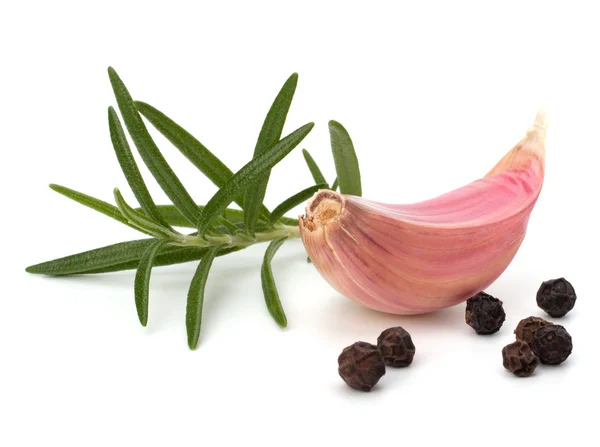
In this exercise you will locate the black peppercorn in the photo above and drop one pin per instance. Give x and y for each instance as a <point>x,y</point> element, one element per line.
<point>361,365</point>
<point>552,344</point>
<point>396,346</point>
<point>528,326</point>
<point>556,297</point>
<point>519,359</point>
<point>484,313</point>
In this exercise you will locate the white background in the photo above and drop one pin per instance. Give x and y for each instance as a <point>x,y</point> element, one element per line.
<point>432,95</point>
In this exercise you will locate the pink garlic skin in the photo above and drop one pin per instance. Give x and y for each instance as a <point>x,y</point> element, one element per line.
<point>418,258</point>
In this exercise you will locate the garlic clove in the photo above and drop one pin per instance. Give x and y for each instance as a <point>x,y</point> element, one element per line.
<point>421,257</point>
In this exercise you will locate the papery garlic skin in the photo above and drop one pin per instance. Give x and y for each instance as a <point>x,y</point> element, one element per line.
<point>417,258</point>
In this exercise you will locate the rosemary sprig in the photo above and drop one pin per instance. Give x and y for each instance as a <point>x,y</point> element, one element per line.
<point>220,230</point>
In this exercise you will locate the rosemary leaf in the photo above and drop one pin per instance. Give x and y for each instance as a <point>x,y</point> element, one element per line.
<point>95,204</point>
<point>268,137</point>
<point>335,184</point>
<point>150,153</point>
<point>247,175</point>
<point>291,221</point>
<point>295,200</point>
<point>195,299</point>
<point>173,217</point>
<point>314,168</point>
<point>119,257</point>
<point>176,219</point>
<point>192,149</point>
<point>258,228</point>
<point>170,255</point>
<point>140,221</point>
<point>130,169</point>
<point>142,280</point>
<point>268,284</point>
<point>170,213</point>
<point>98,258</point>
<point>229,226</point>
<point>346,162</point>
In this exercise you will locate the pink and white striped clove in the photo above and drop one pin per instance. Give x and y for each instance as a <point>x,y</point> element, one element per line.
<point>421,257</point>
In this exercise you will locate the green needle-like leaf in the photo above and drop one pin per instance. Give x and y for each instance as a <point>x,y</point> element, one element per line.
<point>195,300</point>
<point>346,162</point>
<point>168,256</point>
<point>118,257</point>
<point>170,213</point>
<point>295,200</point>
<point>223,222</point>
<point>268,284</point>
<point>192,149</point>
<point>142,280</point>
<point>335,184</point>
<point>176,219</point>
<point>314,168</point>
<point>173,217</point>
<point>93,259</point>
<point>95,204</point>
<point>150,153</point>
<point>293,222</point>
<point>268,137</point>
<point>247,175</point>
<point>141,221</point>
<point>130,169</point>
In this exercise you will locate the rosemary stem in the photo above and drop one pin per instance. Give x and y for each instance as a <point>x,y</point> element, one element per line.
<point>241,240</point>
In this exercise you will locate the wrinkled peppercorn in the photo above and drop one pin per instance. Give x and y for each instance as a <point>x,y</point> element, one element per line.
<point>556,297</point>
<point>396,346</point>
<point>361,365</point>
<point>528,326</point>
<point>552,344</point>
<point>484,313</point>
<point>519,359</point>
